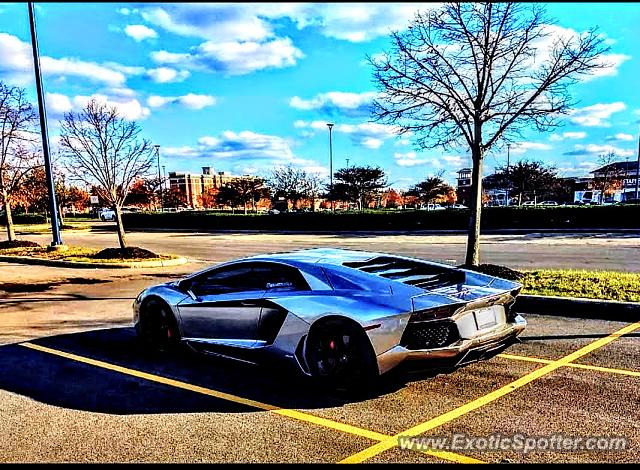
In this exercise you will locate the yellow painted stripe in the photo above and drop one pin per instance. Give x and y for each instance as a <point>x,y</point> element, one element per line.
<point>631,373</point>
<point>488,398</point>
<point>293,414</point>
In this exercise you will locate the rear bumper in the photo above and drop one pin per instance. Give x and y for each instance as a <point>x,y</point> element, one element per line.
<point>464,351</point>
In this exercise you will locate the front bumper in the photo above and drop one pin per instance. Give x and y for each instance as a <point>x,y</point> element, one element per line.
<point>464,351</point>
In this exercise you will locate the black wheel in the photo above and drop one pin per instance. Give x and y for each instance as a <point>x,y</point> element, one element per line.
<point>157,327</point>
<point>340,355</point>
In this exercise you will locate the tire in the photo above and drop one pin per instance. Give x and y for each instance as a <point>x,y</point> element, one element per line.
<point>157,327</point>
<point>340,356</point>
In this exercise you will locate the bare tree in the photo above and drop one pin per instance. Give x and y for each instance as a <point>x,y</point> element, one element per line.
<point>609,177</point>
<point>477,75</point>
<point>101,147</point>
<point>17,160</point>
<point>288,182</point>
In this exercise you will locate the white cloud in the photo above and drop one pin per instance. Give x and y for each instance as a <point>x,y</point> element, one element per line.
<point>354,22</point>
<point>190,100</point>
<point>58,104</point>
<point>167,75</point>
<point>596,115</point>
<point>544,46</point>
<point>523,147</point>
<point>620,136</point>
<point>336,102</point>
<point>234,58</point>
<point>567,135</point>
<point>595,149</point>
<point>370,135</point>
<point>140,32</point>
<point>410,159</point>
<point>246,149</point>
<point>128,108</point>
<point>16,66</point>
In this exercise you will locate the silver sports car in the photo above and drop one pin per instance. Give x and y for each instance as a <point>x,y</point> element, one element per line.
<point>338,315</point>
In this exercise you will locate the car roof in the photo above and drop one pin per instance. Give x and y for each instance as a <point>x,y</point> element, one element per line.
<point>333,256</point>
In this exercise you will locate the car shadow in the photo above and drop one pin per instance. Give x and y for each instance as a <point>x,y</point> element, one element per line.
<point>69,383</point>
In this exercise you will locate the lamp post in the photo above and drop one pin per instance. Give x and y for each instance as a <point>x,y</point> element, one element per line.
<point>157,147</point>
<point>638,168</point>
<point>347,163</point>
<point>330,126</point>
<point>508,180</point>
<point>53,206</point>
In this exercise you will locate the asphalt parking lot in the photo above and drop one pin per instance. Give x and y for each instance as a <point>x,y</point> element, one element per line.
<point>75,386</point>
<point>96,396</point>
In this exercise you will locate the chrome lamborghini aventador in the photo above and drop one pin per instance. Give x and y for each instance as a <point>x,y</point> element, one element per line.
<point>338,315</point>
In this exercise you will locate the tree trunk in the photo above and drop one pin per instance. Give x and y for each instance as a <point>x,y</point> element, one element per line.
<point>473,240</point>
<point>122,239</point>
<point>245,207</point>
<point>11,233</point>
<point>61,215</point>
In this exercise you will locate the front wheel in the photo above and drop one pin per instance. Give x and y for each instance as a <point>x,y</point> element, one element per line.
<point>339,354</point>
<point>157,327</point>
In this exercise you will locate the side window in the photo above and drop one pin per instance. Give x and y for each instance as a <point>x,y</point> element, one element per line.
<point>249,277</point>
<point>281,278</point>
<point>225,281</point>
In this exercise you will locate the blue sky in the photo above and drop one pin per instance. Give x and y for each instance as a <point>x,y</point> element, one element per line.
<point>246,87</point>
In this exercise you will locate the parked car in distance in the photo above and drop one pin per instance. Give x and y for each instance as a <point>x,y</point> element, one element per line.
<point>458,206</point>
<point>548,203</point>
<point>529,203</point>
<point>107,214</point>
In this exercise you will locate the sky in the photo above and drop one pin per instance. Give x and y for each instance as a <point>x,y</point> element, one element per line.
<point>244,88</point>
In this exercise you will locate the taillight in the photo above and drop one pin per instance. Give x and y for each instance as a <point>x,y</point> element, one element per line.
<point>434,313</point>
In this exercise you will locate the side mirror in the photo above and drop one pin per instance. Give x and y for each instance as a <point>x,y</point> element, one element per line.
<point>185,286</point>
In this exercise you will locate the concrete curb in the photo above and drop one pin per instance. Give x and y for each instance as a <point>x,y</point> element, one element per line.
<point>574,307</point>
<point>73,264</point>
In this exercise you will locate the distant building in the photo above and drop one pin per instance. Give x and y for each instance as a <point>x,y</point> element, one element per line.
<point>463,189</point>
<point>626,172</point>
<point>192,186</point>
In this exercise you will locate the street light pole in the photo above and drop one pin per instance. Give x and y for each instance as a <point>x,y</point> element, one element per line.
<point>330,126</point>
<point>508,181</point>
<point>638,168</point>
<point>347,163</point>
<point>53,206</point>
<point>157,147</point>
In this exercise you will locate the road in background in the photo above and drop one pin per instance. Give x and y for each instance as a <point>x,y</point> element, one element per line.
<point>603,251</point>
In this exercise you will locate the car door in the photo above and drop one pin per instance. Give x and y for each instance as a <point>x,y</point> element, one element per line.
<point>225,307</point>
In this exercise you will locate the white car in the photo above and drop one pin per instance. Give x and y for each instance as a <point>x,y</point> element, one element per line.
<point>458,206</point>
<point>529,203</point>
<point>107,214</point>
<point>548,203</point>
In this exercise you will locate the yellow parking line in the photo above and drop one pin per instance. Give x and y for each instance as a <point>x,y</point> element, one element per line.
<point>293,414</point>
<point>631,373</point>
<point>486,399</point>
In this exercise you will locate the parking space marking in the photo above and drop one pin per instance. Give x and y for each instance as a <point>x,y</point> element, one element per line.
<point>609,370</point>
<point>293,414</point>
<point>488,398</point>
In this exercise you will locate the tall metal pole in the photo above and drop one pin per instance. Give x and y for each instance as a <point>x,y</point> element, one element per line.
<point>330,126</point>
<point>508,180</point>
<point>53,206</point>
<point>638,168</point>
<point>347,163</point>
<point>157,147</point>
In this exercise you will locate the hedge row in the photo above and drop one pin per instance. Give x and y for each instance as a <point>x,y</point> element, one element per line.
<point>23,219</point>
<point>493,218</point>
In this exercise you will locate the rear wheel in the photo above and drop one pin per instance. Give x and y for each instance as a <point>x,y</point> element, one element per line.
<point>340,355</point>
<point>157,327</point>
